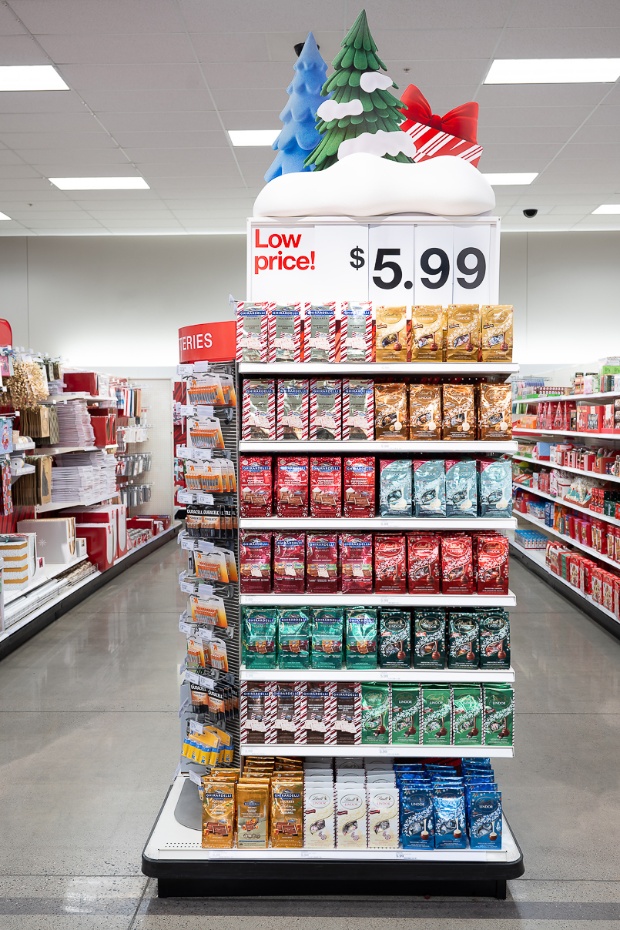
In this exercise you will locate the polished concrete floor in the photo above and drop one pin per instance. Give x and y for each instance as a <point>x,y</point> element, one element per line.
<point>89,742</point>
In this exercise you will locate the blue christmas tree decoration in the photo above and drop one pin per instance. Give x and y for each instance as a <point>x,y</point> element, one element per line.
<point>299,135</point>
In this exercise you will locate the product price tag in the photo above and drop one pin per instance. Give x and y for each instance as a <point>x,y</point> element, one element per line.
<point>201,410</point>
<point>185,370</point>
<point>191,677</point>
<point>187,587</point>
<point>205,590</point>
<point>196,727</point>
<point>383,750</point>
<point>205,682</point>
<point>195,777</point>
<point>186,628</point>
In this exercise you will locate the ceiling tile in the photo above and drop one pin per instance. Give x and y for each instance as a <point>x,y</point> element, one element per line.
<point>447,14</point>
<point>172,140</point>
<point>96,139</point>
<point>146,101</point>
<point>517,157</point>
<point>416,45</point>
<point>233,46</point>
<point>281,45</point>
<point>21,50</point>
<point>240,16</point>
<point>583,152</point>
<point>567,12</point>
<point>58,17</point>
<point>165,76</point>
<point>96,48</point>
<point>62,160</point>
<point>557,42</point>
<point>541,95</point>
<point>595,135</point>
<point>516,117</point>
<point>183,158</point>
<point>117,205</point>
<point>525,134</point>
<point>49,101</point>
<point>438,73</point>
<point>169,121</point>
<point>253,119</point>
<point>48,122</point>
<point>258,74</point>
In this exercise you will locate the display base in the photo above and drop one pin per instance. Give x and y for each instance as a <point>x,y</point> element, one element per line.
<point>174,856</point>
<point>534,560</point>
<point>46,613</point>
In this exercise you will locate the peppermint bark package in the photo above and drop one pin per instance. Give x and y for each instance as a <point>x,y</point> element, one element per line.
<point>320,332</point>
<point>326,409</point>
<point>292,409</point>
<point>358,410</point>
<point>284,333</point>
<point>356,343</point>
<point>259,409</point>
<point>252,332</point>
<point>356,563</point>
<point>255,562</point>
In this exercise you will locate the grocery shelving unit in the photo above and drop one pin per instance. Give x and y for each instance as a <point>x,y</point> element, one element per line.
<point>173,853</point>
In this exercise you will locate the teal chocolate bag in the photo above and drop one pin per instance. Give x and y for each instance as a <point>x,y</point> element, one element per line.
<point>294,638</point>
<point>327,634</point>
<point>259,626</point>
<point>361,637</point>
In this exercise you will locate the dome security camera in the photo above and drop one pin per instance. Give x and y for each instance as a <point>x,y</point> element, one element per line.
<point>531,213</point>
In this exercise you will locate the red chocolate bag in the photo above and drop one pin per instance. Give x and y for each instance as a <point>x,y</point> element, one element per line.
<point>322,563</point>
<point>390,564</point>
<point>292,486</point>
<point>325,487</point>
<point>457,565</point>
<point>289,563</point>
<point>359,487</point>
<point>492,564</point>
<point>423,564</point>
<point>255,562</point>
<point>255,486</point>
<point>356,563</point>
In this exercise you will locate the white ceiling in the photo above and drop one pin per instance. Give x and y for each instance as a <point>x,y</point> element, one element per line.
<point>155,84</point>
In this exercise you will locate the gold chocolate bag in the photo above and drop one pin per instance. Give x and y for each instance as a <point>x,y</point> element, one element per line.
<point>287,813</point>
<point>425,411</point>
<point>253,815</point>
<point>496,332</point>
<point>391,334</point>
<point>391,411</point>
<point>459,412</point>
<point>427,332</point>
<point>218,814</point>
<point>495,412</point>
<point>463,333</point>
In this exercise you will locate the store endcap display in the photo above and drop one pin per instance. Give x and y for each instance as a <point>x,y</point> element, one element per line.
<point>368,160</point>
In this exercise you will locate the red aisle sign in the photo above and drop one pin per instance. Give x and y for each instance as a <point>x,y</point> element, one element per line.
<point>208,342</point>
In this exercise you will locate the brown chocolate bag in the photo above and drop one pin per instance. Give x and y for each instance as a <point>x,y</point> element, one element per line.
<point>463,333</point>
<point>459,412</point>
<point>495,412</point>
<point>391,334</point>
<point>425,411</point>
<point>391,412</point>
<point>427,333</point>
<point>496,332</point>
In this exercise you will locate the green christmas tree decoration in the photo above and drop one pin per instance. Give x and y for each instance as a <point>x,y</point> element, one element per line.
<point>354,110</point>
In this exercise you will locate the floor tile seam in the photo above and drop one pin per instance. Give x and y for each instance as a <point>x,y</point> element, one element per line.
<point>132,923</point>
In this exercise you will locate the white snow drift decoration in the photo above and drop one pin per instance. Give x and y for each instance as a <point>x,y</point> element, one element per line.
<point>364,185</point>
<point>374,80</point>
<point>331,109</point>
<point>378,143</point>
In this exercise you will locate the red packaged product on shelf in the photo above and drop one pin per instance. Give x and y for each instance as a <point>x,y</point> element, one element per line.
<point>390,564</point>
<point>608,591</point>
<point>423,563</point>
<point>289,563</point>
<point>255,562</point>
<point>291,487</point>
<point>356,563</point>
<point>359,487</point>
<point>457,565</point>
<point>596,583</point>
<point>492,564</point>
<point>325,487</point>
<point>255,486</point>
<point>322,563</point>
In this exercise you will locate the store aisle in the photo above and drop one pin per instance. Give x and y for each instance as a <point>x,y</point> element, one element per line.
<point>89,739</point>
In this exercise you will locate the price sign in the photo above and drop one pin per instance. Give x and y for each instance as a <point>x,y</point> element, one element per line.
<point>390,264</point>
<point>342,273</point>
<point>472,245</point>
<point>433,265</point>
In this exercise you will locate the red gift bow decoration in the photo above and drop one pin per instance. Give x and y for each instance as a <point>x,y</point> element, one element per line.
<point>461,121</point>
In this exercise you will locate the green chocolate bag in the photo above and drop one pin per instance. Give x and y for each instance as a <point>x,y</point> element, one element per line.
<point>498,715</point>
<point>375,713</point>
<point>467,702</point>
<point>327,633</point>
<point>406,714</point>
<point>294,638</point>
<point>361,637</point>
<point>436,715</point>
<point>259,637</point>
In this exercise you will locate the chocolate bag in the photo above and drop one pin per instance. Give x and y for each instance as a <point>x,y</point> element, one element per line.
<point>356,563</point>
<point>391,412</point>
<point>423,563</point>
<point>327,637</point>
<point>325,487</point>
<point>291,486</point>
<point>394,638</point>
<point>259,409</point>
<point>259,625</point>
<point>495,487</point>
<point>427,333</point>
<point>498,715</point>
<point>496,333</point>
<point>320,333</point>
<point>348,713</point>
<point>284,333</point>
<point>284,701</point>
<point>361,637</point>
<point>326,409</point>
<point>252,815</point>
<point>319,722</point>
<point>375,713</point>
<point>405,714</point>
<point>292,409</point>
<point>492,564</point>
<point>463,640</point>
<point>461,488</point>
<point>289,562</point>
<point>286,814</point>
<point>395,484</point>
<point>255,562</point>
<point>356,332</point>
<point>390,564</point>
<point>495,412</point>
<point>429,482</point>
<point>218,815</point>
<point>436,715</point>
<point>429,638</point>
<point>467,702</point>
<point>457,566</point>
<point>359,487</point>
<point>294,638</point>
<point>358,410</point>
<point>255,486</point>
<point>463,333</point>
<point>459,412</point>
<point>494,638</point>
<point>322,563</point>
<point>391,334</point>
<point>252,332</point>
<point>425,411</point>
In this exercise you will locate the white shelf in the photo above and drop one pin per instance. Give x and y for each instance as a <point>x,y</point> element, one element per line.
<point>567,503</point>
<point>373,447</point>
<point>522,431</point>
<point>369,749</point>
<point>404,676</point>
<point>47,573</point>
<point>65,505</point>
<point>538,556</point>
<point>26,470</point>
<point>61,450</point>
<point>573,542</point>
<point>22,449</point>
<point>170,840</point>
<point>378,600</point>
<point>376,523</point>
<point>603,395</point>
<point>474,369</point>
<point>89,398</point>
<point>46,605</point>
<point>573,471</point>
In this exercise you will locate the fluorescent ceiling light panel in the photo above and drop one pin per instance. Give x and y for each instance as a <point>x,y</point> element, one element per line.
<point>253,136</point>
<point>553,71</point>
<point>514,177</point>
<point>3,216</point>
<point>607,208</point>
<point>30,77</point>
<point>100,184</point>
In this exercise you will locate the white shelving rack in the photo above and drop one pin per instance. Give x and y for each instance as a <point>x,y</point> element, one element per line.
<point>173,853</point>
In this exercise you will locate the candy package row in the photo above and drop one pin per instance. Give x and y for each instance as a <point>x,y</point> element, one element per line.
<point>376,713</point>
<point>334,409</point>
<point>347,331</point>
<point>360,563</point>
<point>369,638</point>
<point>331,486</point>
